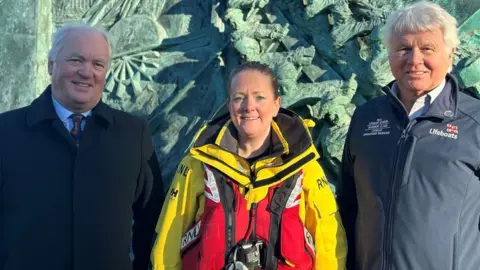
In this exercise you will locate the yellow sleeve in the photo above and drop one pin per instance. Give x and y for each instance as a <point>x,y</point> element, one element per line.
<point>323,221</point>
<point>178,214</point>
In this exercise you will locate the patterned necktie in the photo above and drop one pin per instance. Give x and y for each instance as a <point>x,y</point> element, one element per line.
<point>76,131</point>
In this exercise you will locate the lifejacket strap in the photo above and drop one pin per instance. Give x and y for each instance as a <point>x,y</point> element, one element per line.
<point>276,207</point>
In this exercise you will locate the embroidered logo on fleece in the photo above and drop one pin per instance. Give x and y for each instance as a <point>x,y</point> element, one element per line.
<point>377,128</point>
<point>451,132</point>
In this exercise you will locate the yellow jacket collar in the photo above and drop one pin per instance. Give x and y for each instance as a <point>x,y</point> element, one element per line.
<point>291,147</point>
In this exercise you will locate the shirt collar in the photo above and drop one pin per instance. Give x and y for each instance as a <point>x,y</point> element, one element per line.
<point>433,94</point>
<point>436,91</point>
<point>64,113</point>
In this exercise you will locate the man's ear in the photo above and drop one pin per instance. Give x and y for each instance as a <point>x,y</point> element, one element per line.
<point>452,51</point>
<point>450,59</point>
<point>50,67</point>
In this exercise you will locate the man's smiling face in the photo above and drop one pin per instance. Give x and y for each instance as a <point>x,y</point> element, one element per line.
<point>78,71</point>
<point>419,60</point>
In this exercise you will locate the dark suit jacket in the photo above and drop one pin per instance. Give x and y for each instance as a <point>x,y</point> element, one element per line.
<point>63,207</point>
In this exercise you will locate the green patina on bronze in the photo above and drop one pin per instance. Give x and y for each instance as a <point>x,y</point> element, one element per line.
<point>171,58</point>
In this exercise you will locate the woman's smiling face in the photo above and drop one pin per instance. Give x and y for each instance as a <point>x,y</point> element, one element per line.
<point>252,104</point>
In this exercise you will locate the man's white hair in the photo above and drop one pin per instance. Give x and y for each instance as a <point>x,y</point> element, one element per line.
<point>58,40</point>
<point>422,16</point>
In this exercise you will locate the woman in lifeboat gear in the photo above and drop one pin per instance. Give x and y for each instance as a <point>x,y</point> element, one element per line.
<point>250,194</point>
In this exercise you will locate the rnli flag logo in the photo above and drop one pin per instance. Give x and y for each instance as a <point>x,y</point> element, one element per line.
<point>452,129</point>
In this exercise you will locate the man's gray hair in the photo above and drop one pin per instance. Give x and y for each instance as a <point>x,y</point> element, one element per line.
<point>58,40</point>
<point>422,16</point>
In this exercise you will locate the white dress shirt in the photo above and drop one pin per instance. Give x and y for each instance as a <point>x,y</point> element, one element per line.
<point>422,104</point>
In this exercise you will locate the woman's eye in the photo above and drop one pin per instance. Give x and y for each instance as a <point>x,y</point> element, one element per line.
<point>259,98</point>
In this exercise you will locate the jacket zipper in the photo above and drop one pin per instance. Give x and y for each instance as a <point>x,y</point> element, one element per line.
<point>391,206</point>
<point>393,198</point>
<point>229,222</point>
<point>253,221</point>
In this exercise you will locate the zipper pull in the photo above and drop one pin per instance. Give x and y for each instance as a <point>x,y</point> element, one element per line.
<point>253,209</point>
<point>252,175</point>
<point>253,220</point>
<point>403,136</point>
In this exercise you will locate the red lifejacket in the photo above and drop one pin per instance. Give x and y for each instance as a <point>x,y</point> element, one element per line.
<point>225,221</point>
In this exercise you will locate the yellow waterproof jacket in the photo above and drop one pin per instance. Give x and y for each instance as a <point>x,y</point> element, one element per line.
<point>293,150</point>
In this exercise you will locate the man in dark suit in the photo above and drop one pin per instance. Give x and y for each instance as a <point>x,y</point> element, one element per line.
<point>74,172</point>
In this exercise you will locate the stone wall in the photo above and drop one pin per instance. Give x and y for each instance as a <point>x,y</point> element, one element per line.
<point>26,29</point>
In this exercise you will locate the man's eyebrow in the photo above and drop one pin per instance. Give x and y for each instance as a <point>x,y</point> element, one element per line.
<point>101,60</point>
<point>428,43</point>
<point>404,42</point>
<point>74,54</point>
